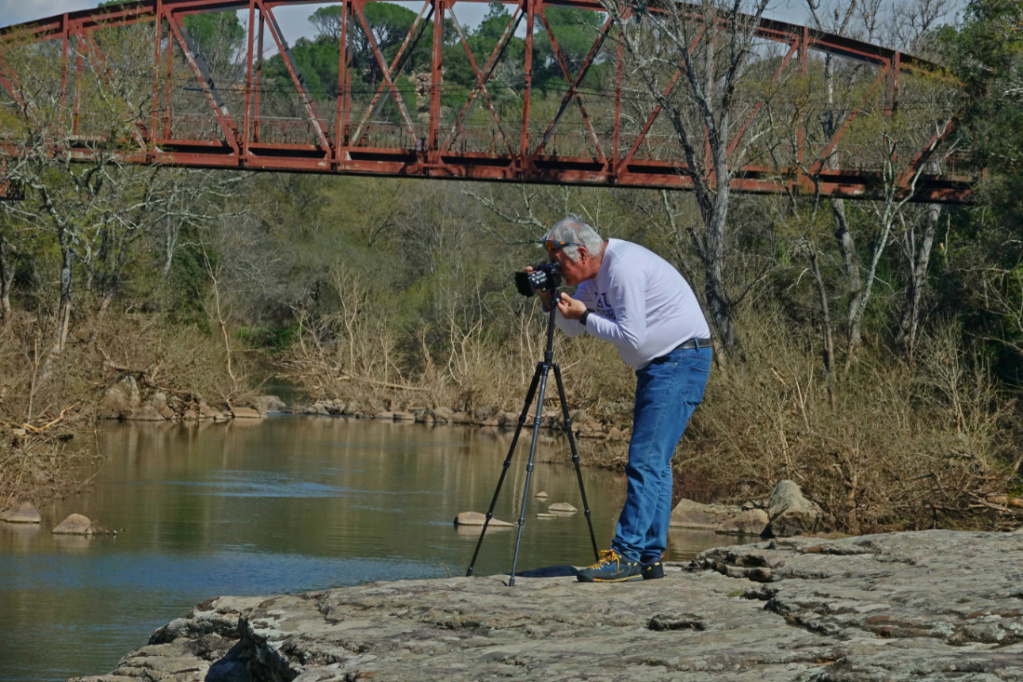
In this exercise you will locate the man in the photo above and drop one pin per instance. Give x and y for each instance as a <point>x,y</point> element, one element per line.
<point>633,298</point>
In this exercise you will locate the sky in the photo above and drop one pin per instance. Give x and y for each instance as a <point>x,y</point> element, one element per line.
<point>294,20</point>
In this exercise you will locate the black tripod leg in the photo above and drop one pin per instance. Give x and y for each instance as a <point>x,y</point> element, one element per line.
<point>507,460</point>
<point>544,368</point>
<point>575,454</point>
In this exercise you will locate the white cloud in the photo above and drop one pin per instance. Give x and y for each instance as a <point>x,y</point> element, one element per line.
<point>21,11</point>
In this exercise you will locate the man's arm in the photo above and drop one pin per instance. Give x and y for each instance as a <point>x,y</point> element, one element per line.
<point>627,297</point>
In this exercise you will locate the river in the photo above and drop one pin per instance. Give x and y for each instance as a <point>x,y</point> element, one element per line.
<point>282,505</point>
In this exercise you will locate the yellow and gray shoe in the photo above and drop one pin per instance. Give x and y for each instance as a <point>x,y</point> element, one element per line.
<point>611,568</point>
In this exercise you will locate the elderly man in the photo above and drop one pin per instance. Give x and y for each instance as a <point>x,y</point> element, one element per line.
<point>636,300</point>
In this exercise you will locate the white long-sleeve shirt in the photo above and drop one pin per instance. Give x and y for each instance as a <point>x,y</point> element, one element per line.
<point>638,302</point>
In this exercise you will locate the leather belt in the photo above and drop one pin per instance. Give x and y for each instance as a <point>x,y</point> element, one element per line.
<point>693,344</point>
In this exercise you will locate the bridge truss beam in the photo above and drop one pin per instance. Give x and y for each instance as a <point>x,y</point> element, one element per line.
<point>185,115</point>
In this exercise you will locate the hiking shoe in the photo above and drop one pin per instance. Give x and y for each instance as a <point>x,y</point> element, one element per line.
<point>652,569</point>
<point>612,568</point>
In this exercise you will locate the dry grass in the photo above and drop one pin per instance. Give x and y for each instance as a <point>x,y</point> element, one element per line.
<point>355,357</point>
<point>892,446</point>
<point>48,401</point>
<point>899,446</point>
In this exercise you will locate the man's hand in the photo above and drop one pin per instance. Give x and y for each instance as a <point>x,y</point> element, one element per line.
<point>571,309</point>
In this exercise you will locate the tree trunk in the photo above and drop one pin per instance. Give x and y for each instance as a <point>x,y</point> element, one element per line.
<point>718,302</point>
<point>920,258</point>
<point>6,280</point>
<point>828,351</point>
<point>853,282</point>
<point>64,305</point>
<point>170,242</point>
<point>846,243</point>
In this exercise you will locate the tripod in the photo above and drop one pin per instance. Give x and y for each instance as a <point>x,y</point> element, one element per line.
<point>543,368</point>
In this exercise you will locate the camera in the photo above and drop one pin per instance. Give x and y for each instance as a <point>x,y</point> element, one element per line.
<point>544,277</point>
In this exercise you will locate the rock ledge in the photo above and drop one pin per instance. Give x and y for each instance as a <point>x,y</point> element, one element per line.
<point>932,605</point>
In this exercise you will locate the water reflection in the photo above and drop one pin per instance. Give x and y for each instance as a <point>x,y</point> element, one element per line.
<point>279,505</point>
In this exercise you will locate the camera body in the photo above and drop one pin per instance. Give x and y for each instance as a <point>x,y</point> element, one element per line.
<point>544,277</point>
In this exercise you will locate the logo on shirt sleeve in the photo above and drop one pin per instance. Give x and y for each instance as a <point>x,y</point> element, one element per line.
<point>604,306</point>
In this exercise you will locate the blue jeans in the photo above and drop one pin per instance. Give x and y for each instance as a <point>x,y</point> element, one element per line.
<point>667,392</point>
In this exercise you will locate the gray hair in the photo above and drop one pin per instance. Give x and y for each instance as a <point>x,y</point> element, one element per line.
<point>573,229</point>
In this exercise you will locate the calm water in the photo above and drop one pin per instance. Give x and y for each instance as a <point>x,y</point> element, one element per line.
<point>288,504</point>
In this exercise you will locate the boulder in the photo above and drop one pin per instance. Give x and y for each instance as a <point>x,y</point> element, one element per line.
<point>747,522</point>
<point>21,513</point>
<point>461,418</point>
<point>792,514</point>
<point>246,413</point>
<point>207,412</point>
<point>484,413</point>
<point>265,404</point>
<point>552,419</point>
<point>471,518</point>
<point>542,495</point>
<point>562,507</point>
<point>332,408</point>
<point>74,524</point>
<point>508,420</point>
<point>442,415</point>
<point>120,399</point>
<point>158,399</point>
<point>689,514</point>
<point>384,416</point>
<point>319,407</point>
<point>614,433</point>
<point>145,413</point>
<point>588,428</point>
<point>404,417</point>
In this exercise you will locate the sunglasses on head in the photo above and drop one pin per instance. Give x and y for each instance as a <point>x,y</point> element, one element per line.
<point>552,245</point>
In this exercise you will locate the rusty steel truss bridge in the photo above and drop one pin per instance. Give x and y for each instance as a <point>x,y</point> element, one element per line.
<point>139,62</point>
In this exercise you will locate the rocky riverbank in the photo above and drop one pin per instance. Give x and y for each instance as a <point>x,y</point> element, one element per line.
<point>930,605</point>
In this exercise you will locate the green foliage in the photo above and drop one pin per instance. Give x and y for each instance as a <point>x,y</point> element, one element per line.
<point>218,38</point>
<point>187,286</point>
<point>574,31</point>
<point>987,53</point>
<point>215,29</point>
<point>317,60</point>
<point>274,339</point>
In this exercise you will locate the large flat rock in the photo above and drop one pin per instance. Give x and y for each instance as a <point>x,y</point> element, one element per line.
<point>932,605</point>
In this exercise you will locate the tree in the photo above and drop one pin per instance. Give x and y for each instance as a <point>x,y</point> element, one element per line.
<point>218,38</point>
<point>983,249</point>
<point>712,45</point>
<point>94,211</point>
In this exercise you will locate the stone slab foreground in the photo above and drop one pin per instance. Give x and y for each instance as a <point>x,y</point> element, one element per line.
<point>933,605</point>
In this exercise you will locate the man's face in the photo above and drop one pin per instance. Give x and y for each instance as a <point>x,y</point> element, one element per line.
<point>573,272</point>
